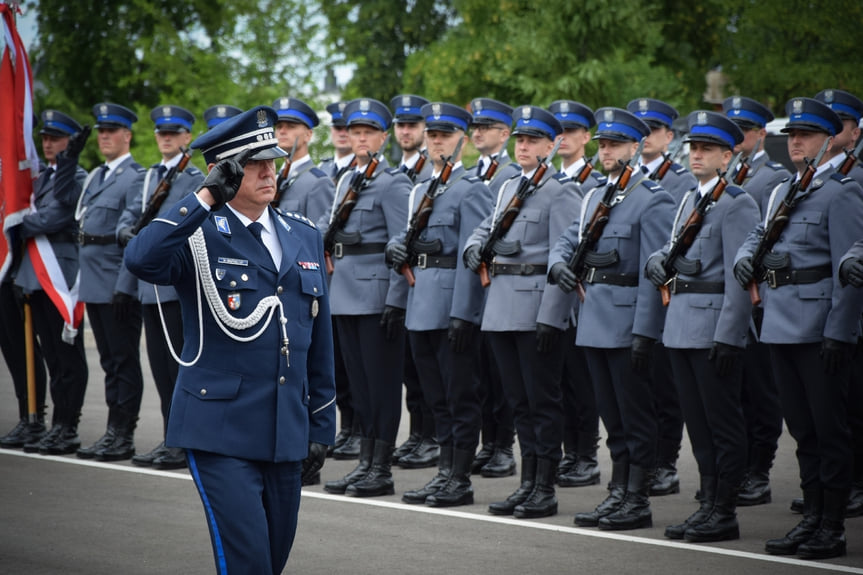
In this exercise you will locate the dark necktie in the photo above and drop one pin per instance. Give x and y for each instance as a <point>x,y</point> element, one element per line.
<point>257,228</point>
<point>481,168</point>
<point>161,168</point>
<point>49,172</point>
<point>644,170</point>
<point>103,173</point>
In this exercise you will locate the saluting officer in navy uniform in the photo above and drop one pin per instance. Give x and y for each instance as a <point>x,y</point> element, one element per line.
<point>490,131</point>
<point>107,287</point>
<point>215,115</point>
<point>579,466</point>
<point>409,130</point>
<point>620,318</point>
<point>706,328</point>
<point>254,404</point>
<point>343,160</point>
<point>306,190</point>
<point>51,245</point>
<point>760,398</point>
<point>812,323</point>
<point>525,317</point>
<point>163,322</point>
<point>369,299</point>
<point>445,307</point>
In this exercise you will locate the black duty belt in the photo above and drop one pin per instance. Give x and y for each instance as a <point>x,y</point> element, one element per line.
<point>428,261</point>
<point>341,250</point>
<point>597,276</point>
<point>776,278</point>
<point>677,285</point>
<point>62,238</point>
<point>518,269</point>
<point>87,239</point>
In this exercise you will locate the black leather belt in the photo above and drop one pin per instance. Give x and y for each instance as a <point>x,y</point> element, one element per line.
<point>518,269</point>
<point>427,261</point>
<point>677,285</point>
<point>62,238</point>
<point>341,250</point>
<point>776,278</point>
<point>87,239</point>
<point>597,276</point>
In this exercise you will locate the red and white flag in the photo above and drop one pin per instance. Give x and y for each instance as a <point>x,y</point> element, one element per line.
<point>18,158</point>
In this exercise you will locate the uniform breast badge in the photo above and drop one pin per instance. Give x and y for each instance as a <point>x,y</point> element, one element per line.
<point>315,307</point>
<point>234,301</point>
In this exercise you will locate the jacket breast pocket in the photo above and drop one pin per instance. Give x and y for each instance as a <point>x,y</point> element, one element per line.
<point>212,385</point>
<point>804,226</point>
<point>235,278</point>
<point>312,287</point>
<point>101,218</point>
<point>527,227</point>
<point>616,236</point>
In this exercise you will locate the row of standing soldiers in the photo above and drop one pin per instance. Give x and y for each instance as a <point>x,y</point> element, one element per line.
<point>412,247</point>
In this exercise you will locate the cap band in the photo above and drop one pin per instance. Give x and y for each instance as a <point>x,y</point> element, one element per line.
<point>54,125</point>
<point>812,119</point>
<point>840,108</point>
<point>458,122</point>
<point>174,120</point>
<point>536,125</point>
<point>619,128</point>
<point>573,119</point>
<point>715,132</point>
<point>367,117</point>
<point>654,115</point>
<point>747,115</point>
<point>114,119</point>
<point>494,115</point>
<point>291,113</point>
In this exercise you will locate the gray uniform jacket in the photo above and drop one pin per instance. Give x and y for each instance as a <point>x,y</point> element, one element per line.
<point>441,293</point>
<point>364,284</point>
<point>821,229</point>
<point>102,270</point>
<point>763,176</point>
<point>506,170</point>
<point>638,226</point>
<point>308,191</point>
<point>519,302</point>
<point>696,320</point>
<point>677,181</point>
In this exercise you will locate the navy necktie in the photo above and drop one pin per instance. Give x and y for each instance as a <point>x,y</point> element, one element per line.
<point>481,168</point>
<point>644,170</point>
<point>162,169</point>
<point>257,228</point>
<point>103,173</point>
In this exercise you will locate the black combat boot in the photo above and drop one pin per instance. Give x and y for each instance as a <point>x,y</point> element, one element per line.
<point>664,479</point>
<point>175,458</point>
<point>414,437</point>
<point>367,449</point>
<point>570,452</point>
<point>123,446</point>
<point>634,512</point>
<point>341,437</point>
<point>755,489</point>
<point>482,457</point>
<point>829,539</point>
<point>528,478</point>
<point>24,432</point>
<point>721,523</point>
<point>64,440</point>
<point>813,508</point>
<point>103,442</point>
<point>502,462</point>
<point>708,496</point>
<point>584,472</point>
<point>350,449</point>
<point>458,489</point>
<point>425,454</point>
<point>146,459</point>
<point>855,498</point>
<point>617,491</point>
<point>379,480</point>
<point>542,501</point>
<point>444,469</point>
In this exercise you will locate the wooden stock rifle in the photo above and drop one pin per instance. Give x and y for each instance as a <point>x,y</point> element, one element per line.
<point>283,175</point>
<point>851,158</point>
<point>161,192</point>
<point>495,163</point>
<point>413,172</point>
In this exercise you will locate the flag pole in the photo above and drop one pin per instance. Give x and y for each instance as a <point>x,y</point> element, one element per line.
<point>32,408</point>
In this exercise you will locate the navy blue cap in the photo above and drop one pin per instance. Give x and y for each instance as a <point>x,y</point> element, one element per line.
<point>654,113</point>
<point>296,111</point>
<point>113,116</point>
<point>215,115</point>
<point>848,106</point>
<point>486,111</point>
<point>746,112</point>
<point>407,109</point>
<point>536,121</point>
<point>620,125</point>
<point>172,119</point>
<point>572,114</point>
<point>444,117</point>
<point>713,128</point>
<point>336,111</point>
<point>367,112</point>
<point>252,129</point>
<point>58,124</point>
<point>810,114</point>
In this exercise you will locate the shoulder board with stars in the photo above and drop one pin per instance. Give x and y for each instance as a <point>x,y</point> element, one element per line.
<point>297,216</point>
<point>678,169</point>
<point>651,185</point>
<point>840,178</point>
<point>776,166</point>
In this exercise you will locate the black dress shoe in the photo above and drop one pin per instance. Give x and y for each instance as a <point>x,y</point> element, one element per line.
<point>64,442</point>
<point>175,458</point>
<point>101,443</point>
<point>146,459</point>
<point>425,454</point>
<point>755,490</point>
<point>665,480</point>
<point>24,432</point>
<point>418,496</point>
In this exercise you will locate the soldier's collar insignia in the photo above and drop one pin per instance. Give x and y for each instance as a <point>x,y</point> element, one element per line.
<point>222,225</point>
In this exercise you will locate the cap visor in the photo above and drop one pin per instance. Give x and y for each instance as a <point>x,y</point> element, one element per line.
<point>269,154</point>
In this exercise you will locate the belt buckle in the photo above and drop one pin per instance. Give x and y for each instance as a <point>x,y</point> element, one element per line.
<point>338,250</point>
<point>771,279</point>
<point>81,237</point>
<point>590,275</point>
<point>491,268</point>
<point>422,261</point>
<point>672,284</point>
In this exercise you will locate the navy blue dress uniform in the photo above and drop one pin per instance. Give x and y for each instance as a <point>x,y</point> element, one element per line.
<point>706,330</point>
<point>108,288</point>
<point>255,388</point>
<point>50,243</point>
<point>525,317</point>
<point>407,109</point>
<point>307,190</point>
<point>579,466</point>
<point>618,322</point>
<point>215,115</point>
<point>444,310</point>
<point>812,324</point>
<point>761,408</point>
<point>162,319</point>
<point>368,302</point>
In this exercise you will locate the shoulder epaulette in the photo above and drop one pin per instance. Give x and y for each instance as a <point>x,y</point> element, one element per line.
<point>192,170</point>
<point>297,217</point>
<point>842,179</point>
<point>601,179</point>
<point>472,179</point>
<point>394,171</point>
<point>651,185</point>
<point>776,166</point>
<point>734,191</point>
<point>329,159</point>
<point>678,169</point>
<point>562,177</point>
<point>318,173</point>
<point>138,168</point>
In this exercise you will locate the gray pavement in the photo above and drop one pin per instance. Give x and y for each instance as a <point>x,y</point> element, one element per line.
<point>62,515</point>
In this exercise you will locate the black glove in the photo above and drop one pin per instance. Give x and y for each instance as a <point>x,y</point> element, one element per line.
<point>726,358</point>
<point>124,236</point>
<point>76,144</point>
<point>546,337</point>
<point>225,178</point>
<point>655,271</point>
<point>393,321</point>
<point>122,304</point>
<point>314,461</point>
<point>471,258</point>
<point>642,354</point>
<point>397,254</point>
<point>744,272</point>
<point>835,354</point>
<point>851,272</point>
<point>563,277</point>
<point>460,334</point>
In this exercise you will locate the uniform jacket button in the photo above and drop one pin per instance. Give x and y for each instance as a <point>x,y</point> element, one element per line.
<point>183,211</point>
<point>203,391</point>
<point>282,380</point>
<point>280,289</point>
